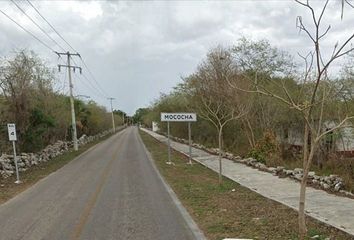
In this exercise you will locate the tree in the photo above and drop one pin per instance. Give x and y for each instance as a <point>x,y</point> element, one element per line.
<point>122,115</point>
<point>42,115</point>
<point>214,100</point>
<point>26,83</point>
<point>260,58</point>
<point>312,96</point>
<point>139,113</point>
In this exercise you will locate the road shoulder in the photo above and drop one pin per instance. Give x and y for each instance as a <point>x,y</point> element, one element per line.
<point>198,234</point>
<point>229,210</point>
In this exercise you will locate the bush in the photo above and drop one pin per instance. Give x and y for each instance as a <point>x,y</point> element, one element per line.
<point>266,149</point>
<point>257,154</point>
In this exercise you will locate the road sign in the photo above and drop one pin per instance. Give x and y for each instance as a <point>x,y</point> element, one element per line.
<point>11,128</point>
<point>178,117</point>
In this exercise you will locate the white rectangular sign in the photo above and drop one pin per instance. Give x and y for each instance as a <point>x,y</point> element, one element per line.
<point>11,128</point>
<point>178,117</point>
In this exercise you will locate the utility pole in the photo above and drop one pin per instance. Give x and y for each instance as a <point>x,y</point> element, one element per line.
<point>114,125</point>
<point>69,67</point>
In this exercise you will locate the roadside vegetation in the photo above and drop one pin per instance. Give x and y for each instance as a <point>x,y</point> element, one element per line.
<point>256,100</point>
<point>30,98</point>
<point>230,210</point>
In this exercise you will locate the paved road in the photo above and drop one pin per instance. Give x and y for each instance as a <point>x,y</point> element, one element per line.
<point>110,192</point>
<point>327,208</point>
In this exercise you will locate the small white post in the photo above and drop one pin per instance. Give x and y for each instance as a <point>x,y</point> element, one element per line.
<point>11,128</point>
<point>16,166</point>
<point>169,144</point>
<point>190,142</point>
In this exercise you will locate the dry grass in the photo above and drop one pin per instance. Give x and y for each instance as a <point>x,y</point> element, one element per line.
<point>230,210</point>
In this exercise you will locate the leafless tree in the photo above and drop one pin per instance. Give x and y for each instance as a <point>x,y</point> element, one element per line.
<point>314,94</point>
<point>215,100</point>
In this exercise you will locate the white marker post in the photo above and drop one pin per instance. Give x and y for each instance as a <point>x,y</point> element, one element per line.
<point>179,117</point>
<point>168,144</point>
<point>190,142</point>
<point>11,128</point>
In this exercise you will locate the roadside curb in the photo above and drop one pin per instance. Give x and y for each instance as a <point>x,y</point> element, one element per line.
<point>198,234</point>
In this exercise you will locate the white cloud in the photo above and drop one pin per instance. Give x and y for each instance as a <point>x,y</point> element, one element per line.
<point>137,49</point>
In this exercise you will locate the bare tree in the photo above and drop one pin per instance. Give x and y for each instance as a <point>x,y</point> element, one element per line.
<point>346,2</point>
<point>214,99</point>
<point>260,57</point>
<point>314,92</point>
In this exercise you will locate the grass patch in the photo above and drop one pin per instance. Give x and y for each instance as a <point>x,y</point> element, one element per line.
<point>229,210</point>
<point>8,189</point>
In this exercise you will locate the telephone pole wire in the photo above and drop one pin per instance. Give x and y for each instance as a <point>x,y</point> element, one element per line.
<point>113,124</point>
<point>73,120</point>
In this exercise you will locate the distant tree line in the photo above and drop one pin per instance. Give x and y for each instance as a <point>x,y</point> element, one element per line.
<point>259,92</point>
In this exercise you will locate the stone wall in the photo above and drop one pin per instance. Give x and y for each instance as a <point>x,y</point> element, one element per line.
<point>27,160</point>
<point>331,183</point>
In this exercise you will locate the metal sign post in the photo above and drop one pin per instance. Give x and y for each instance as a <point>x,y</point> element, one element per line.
<point>11,128</point>
<point>190,142</point>
<point>179,117</point>
<point>168,144</point>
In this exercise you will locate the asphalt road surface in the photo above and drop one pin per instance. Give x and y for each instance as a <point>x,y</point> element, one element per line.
<point>109,192</point>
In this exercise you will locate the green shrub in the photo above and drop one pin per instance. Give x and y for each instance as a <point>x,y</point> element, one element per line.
<point>266,149</point>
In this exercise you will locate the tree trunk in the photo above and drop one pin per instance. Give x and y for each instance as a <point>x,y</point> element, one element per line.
<point>249,133</point>
<point>220,155</point>
<point>308,157</point>
<point>302,223</point>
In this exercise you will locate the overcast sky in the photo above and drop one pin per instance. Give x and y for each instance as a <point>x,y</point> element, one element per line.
<point>137,49</point>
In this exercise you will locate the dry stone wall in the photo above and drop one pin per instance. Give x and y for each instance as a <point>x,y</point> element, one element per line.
<point>26,160</point>
<point>331,183</point>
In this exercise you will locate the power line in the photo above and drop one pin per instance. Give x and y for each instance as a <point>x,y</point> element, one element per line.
<point>64,83</point>
<point>82,78</point>
<point>88,69</point>
<point>98,91</point>
<point>34,22</point>
<point>27,31</point>
<point>93,77</point>
<point>84,63</point>
<point>53,28</point>
<point>73,119</point>
<point>95,89</point>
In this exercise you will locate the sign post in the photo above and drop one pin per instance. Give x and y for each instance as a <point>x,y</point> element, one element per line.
<point>168,144</point>
<point>190,142</point>
<point>179,117</point>
<point>11,128</point>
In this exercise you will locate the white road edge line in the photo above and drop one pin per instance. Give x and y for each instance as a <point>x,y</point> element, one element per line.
<point>198,234</point>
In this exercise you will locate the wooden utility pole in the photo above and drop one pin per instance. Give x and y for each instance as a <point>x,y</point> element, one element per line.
<point>73,119</point>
